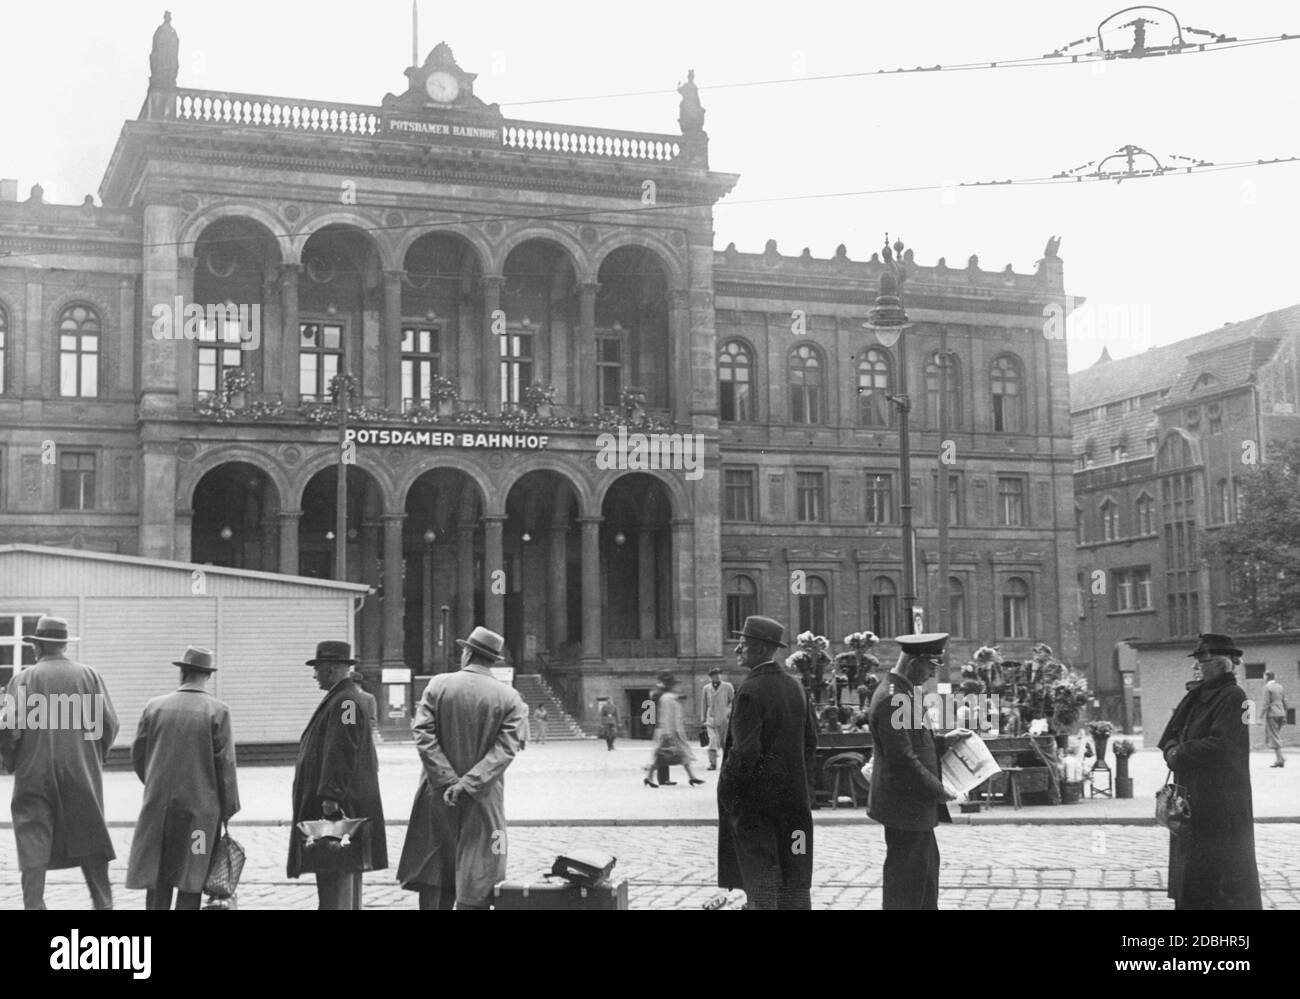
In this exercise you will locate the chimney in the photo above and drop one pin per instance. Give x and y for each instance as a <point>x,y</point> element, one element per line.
<point>8,189</point>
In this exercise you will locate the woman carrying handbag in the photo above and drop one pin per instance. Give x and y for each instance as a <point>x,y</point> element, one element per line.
<point>671,745</point>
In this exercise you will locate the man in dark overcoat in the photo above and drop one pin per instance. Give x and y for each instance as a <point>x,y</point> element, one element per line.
<point>337,774</point>
<point>57,724</point>
<point>907,795</point>
<point>184,752</point>
<point>765,832</point>
<point>1207,746</point>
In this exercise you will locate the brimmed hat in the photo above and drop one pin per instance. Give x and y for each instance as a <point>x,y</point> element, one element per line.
<point>763,629</point>
<point>51,629</point>
<point>929,644</point>
<point>333,654</point>
<point>1214,644</point>
<point>196,657</point>
<point>715,671</point>
<point>489,643</point>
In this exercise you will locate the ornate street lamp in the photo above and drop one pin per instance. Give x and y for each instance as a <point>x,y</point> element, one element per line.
<point>888,320</point>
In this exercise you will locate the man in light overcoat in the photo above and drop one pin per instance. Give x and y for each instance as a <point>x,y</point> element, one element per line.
<point>184,752</point>
<point>468,728</point>
<point>715,711</point>
<point>56,727</point>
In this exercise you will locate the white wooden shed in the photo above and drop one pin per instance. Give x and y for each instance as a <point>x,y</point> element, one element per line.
<point>134,616</point>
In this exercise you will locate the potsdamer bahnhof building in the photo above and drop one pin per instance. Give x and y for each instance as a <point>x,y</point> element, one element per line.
<point>502,293</point>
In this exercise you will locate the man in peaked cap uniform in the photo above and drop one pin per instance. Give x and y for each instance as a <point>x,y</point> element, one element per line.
<point>337,775</point>
<point>468,728</point>
<point>57,763</point>
<point>907,795</point>
<point>765,833</point>
<point>184,751</point>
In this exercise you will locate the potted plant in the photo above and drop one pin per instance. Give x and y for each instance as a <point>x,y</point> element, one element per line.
<point>1100,730</point>
<point>539,398</point>
<point>1123,749</point>
<point>445,393</point>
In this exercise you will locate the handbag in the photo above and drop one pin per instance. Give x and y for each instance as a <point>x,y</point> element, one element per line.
<point>1173,808</point>
<point>226,867</point>
<point>704,737</point>
<point>669,752</point>
<point>334,844</point>
<point>586,868</point>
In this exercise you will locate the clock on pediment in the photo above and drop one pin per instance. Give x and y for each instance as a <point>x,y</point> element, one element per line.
<point>440,84</point>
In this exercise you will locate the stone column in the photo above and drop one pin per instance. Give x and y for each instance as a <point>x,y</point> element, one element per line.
<point>363,567</point>
<point>645,586</point>
<point>271,349</point>
<point>390,341</point>
<point>394,598</point>
<point>464,622</point>
<point>187,360</point>
<point>584,369</point>
<point>184,529</point>
<point>679,337</point>
<point>684,599</point>
<point>489,351</point>
<point>428,610</point>
<point>592,627</point>
<point>558,586</point>
<point>289,339</point>
<point>125,350</point>
<point>289,522</point>
<point>493,560</point>
<point>158,494</point>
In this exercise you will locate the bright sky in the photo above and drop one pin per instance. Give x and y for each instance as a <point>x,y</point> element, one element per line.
<point>1190,252</point>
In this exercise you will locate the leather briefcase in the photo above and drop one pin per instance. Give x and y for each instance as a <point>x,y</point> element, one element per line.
<point>553,894</point>
<point>584,868</point>
<point>334,845</point>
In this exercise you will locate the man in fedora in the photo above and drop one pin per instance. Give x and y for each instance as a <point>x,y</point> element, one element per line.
<point>57,761</point>
<point>337,775</point>
<point>907,795</point>
<point>765,833</point>
<point>184,753</point>
<point>468,728</point>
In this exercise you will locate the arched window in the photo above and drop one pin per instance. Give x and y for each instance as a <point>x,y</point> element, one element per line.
<point>956,606</point>
<point>874,408</point>
<point>943,372</point>
<point>79,352</point>
<point>1109,520</point>
<point>1015,608</point>
<point>807,391</point>
<point>812,606</point>
<point>735,383</point>
<point>4,345</point>
<point>1007,385</point>
<point>742,601</point>
<point>884,607</point>
<point>1175,452</point>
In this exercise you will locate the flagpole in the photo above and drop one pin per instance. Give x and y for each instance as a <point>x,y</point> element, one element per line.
<point>415,32</point>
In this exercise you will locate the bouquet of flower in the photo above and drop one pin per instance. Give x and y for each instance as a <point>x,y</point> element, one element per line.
<point>811,660</point>
<point>538,394</point>
<point>859,642</point>
<point>1122,748</point>
<point>1099,728</point>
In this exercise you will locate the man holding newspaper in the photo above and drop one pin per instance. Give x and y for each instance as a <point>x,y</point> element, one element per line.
<point>907,793</point>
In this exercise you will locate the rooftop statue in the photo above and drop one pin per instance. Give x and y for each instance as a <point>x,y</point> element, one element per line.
<point>164,59</point>
<point>691,114</point>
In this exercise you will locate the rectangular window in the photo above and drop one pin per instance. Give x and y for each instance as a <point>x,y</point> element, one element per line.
<point>2,354</point>
<point>609,370</point>
<point>320,354</point>
<point>812,613</point>
<point>738,498</point>
<point>218,352</point>
<point>421,363</point>
<point>1254,671</point>
<point>516,365</point>
<point>955,513</point>
<point>884,614</point>
<point>1011,502</point>
<point>76,480</point>
<point>13,652</point>
<point>811,497</point>
<point>1121,590</point>
<point>1142,589</point>
<point>880,499</point>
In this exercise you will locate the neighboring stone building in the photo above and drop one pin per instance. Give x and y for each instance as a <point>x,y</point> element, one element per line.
<point>430,246</point>
<point>1162,443</point>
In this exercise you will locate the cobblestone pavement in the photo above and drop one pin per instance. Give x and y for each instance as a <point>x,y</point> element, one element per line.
<point>673,867</point>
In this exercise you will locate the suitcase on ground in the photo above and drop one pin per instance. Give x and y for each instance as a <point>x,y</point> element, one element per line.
<point>552,893</point>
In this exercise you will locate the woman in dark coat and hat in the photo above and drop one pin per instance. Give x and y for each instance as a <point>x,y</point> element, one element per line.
<point>1207,746</point>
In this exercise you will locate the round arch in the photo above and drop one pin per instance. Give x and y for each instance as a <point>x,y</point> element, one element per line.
<point>195,226</point>
<point>191,473</point>
<point>677,492</point>
<point>328,458</point>
<point>456,462</point>
<point>589,502</point>
<point>578,258</point>
<point>403,242</point>
<point>651,242</point>
<point>366,227</point>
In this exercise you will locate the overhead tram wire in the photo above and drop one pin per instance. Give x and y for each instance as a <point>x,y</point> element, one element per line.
<point>966,67</point>
<point>644,209</point>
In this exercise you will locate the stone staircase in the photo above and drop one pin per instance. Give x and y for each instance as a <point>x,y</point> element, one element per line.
<point>559,725</point>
